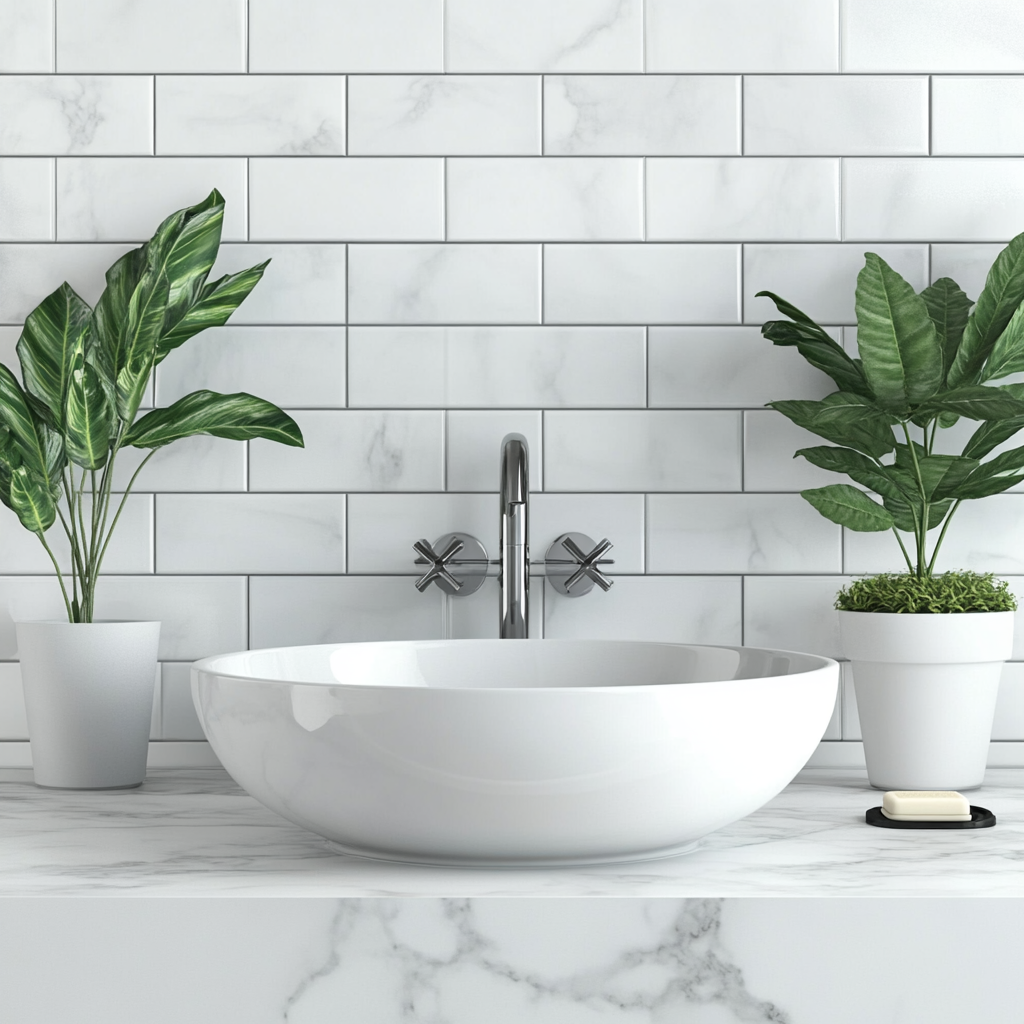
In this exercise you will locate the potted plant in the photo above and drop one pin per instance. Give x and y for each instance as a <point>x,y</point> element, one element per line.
<point>84,372</point>
<point>926,648</point>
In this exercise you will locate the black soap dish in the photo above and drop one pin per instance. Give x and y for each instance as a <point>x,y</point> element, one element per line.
<point>981,817</point>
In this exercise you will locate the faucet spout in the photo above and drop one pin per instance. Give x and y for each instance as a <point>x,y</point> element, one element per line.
<point>514,580</point>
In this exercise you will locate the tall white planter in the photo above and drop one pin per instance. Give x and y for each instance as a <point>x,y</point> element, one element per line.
<point>89,698</point>
<point>926,690</point>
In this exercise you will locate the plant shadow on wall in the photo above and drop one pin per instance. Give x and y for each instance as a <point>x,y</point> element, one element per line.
<point>85,373</point>
<point>89,685</point>
<point>925,361</point>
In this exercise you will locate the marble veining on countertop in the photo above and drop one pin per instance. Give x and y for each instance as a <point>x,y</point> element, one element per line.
<point>195,832</point>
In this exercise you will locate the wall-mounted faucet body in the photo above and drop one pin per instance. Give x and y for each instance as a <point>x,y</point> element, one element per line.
<point>514,581</point>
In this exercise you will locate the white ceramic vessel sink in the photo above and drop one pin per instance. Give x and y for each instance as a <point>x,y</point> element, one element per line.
<point>517,752</point>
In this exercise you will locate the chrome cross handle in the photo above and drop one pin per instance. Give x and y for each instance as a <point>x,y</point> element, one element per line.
<point>576,575</point>
<point>451,544</point>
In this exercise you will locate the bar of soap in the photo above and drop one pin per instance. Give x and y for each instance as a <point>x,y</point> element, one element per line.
<point>925,805</point>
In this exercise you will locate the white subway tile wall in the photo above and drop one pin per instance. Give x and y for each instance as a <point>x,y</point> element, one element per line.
<point>549,216</point>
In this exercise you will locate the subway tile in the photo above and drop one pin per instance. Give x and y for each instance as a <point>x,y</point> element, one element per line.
<point>819,279</point>
<point>951,199</point>
<point>743,35</point>
<point>150,35</point>
<point>353,451</point>
<point>977,116</point>
<point>103,199</point>
<point>178,719</point>
<point>250,115</point>
<point>770,441</point>
<point>741,199</point>
<point>26,199</point>
<point>551,198</point>
<point>730,367</point>
<point>968,265</point>
<point>444,115</point>
<point>31,272</point>
<point>535,35</point>
<point>652,115</point>
<point>444,284</point>
<point>667,609</point>
<point>739,533</point>
<point>645,283</point>
<point>642,451</point>
<point>1009,717</point>
<point>382,528</point>
<point>345,35</point>
<point>76,115</point>
<point>476,617</point>
<point>290,610</point>
<point>474,440</point>
<point>835,115</point>
<point>200,463</point>
<point>296,367</point>
<point>366,198</point>
<point>13,720</point>
<point>932,36</point>
<point>456,367</point>
<point>8,349</point>
<point>792,613</point>
<point>983,536</point>
<point>615,517</point>
<point>130,551</point>
<point>199,615</point>
<point>304,284</point>
<point>26,43</point>
<point>250,533</point>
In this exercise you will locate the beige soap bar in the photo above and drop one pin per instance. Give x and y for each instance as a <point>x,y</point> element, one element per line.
<point>926,805</point>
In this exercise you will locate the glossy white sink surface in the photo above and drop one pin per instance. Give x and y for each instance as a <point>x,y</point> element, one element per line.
<point>517,752</point>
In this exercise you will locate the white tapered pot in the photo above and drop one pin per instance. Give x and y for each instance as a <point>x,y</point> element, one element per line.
<point>926,690</point>
<point>89,697</point>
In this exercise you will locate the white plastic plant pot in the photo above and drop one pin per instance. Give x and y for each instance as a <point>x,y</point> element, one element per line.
<point>89,699</point>
<point>926,690</point>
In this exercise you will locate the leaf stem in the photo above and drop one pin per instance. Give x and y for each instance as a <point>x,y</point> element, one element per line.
<point>942,535</point>
<point>903,548</point>
<point>60,576</point>
<point>120,507</point>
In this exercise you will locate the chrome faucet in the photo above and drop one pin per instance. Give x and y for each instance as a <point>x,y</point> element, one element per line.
<point>514,510</point>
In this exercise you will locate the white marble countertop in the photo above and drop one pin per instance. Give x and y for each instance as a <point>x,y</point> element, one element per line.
<point>194,832</point>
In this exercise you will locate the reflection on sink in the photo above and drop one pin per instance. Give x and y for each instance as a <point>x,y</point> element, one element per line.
<point>514,752</point>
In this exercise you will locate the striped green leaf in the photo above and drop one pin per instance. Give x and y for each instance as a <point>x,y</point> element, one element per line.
<point>51,332</point>
<point>31,500</point>
<point>217,301</point>
<point>88,414</point>
<point>136,358</point>
<point>239,417</point>
<point>40,448</point>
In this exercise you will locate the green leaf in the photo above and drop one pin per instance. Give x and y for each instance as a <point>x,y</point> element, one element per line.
<point>800,317</point>
<point>50,334</point>
<point>998,474</point>
<point>40,448</point>
<point>999,299</point>
<point>849,507</point>
<point>991,435</point>
<point>898,343</point>
<point>110,317</point>
<point>31,500</point>
<point>821,352</point>
<point>855,465</point>
<point>902,512</point>
<point>136,358</point>
<point>943,474</point>
<point>89,414</point>
<point>845,419</point>
<point>976,402</point>
<point>239,416</point>
<point>1008,352</point>
<point>218,300</point>
<point>948,307</point>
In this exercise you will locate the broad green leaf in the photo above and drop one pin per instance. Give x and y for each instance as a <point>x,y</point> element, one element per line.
<point>821,352</point>
<point>238,416</point>
<point>40,448</point>
<point>50,334</point>
<point>998,301</point>
<point>939,473</point>
<point>991,435</point>
<point>788,309</point>
<point>849,507</point>
<point>976,402</point>
<point>1005,470</point>
<point>855,465</point>
<point>1008,352</point>
<point>903,511</point>
<point>898,344</point>
<point>217,301</point>
<point>135,360</point>
<point>88,415</point>
<point>32,501</point>
<point>948,307</point>
<point>947,420</point>
<point>845,419</point>
<point>110,317</point>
